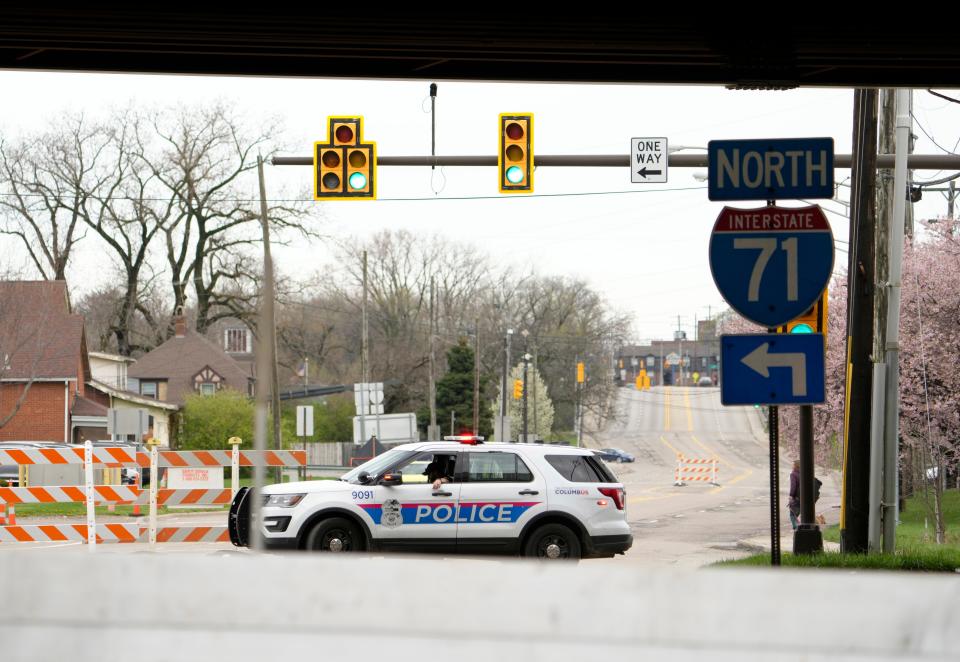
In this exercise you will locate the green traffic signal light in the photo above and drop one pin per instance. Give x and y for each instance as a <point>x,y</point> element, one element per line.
<point>802,328</point>
<point>514,174</point>
<point>357,181</point>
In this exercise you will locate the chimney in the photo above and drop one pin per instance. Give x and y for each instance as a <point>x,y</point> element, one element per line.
<point>179,323</point>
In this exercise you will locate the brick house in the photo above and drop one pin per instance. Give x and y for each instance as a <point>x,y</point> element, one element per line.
<point>44,370</point>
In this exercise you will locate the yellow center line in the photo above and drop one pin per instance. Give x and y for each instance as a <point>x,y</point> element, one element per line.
<point>666,409</point>
<point>669,445</point>
<point>686,406</point>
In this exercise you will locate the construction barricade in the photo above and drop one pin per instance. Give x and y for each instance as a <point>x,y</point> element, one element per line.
<point>695,470</point>
<point>93,494</point>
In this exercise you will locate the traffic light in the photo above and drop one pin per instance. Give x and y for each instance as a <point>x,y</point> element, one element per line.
<point>581,372</point>
<point>812,321</point>
<point>515,159</point>
<point>344,166</point>
<point>517,389</point>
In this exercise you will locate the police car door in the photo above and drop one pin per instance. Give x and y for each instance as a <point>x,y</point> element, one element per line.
<point>412,515</point>
<point>499,495</point>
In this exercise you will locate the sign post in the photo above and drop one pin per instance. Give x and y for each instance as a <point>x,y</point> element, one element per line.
<point>772,265</point>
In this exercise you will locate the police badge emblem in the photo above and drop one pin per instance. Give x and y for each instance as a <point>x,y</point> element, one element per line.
<point>392,518</point>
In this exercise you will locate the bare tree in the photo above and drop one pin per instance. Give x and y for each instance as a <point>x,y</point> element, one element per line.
<point>46,179</point>
<point>205,158</point>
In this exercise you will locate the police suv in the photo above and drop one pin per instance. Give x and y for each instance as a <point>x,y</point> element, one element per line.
<point>459,495</point>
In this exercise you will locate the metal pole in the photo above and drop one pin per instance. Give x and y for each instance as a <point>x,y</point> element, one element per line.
<point>896,233</point>
<point>807,538</point>
<point>526,362</point>
<point>915,162</point>
<point>774,424</point>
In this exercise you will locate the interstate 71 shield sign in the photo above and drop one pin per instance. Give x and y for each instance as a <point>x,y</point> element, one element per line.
<point>771,264</point>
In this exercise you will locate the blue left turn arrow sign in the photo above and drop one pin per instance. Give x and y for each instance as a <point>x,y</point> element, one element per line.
<point>772,369</point>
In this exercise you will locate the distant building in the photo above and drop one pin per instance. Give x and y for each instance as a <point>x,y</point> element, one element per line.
<point>110,369</point>
<point>677,362</point>
<point>185,364</point>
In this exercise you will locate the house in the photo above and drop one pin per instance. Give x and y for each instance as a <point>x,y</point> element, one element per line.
<point>109,369</point>
<point>44,370</point>
<point>185,364</point>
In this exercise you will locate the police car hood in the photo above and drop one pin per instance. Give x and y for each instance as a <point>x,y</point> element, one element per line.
<point>311,486</point>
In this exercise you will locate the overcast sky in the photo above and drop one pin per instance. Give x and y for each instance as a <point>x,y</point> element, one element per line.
<point>643,246</point>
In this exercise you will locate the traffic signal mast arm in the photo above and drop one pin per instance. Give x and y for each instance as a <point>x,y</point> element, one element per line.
<point>914,162</point>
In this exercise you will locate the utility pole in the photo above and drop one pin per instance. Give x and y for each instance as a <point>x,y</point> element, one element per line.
<point>536,428</point>
<point>433,430</point>
<point>364,361</point>
<point>526,362</point>
<point>264,345</point>
<point>476,378</point>
<point>854,513</point>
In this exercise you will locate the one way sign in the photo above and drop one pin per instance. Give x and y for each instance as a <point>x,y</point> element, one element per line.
<point>648,160</point>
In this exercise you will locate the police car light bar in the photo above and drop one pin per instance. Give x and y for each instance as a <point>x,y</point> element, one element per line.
<point>465,439</point>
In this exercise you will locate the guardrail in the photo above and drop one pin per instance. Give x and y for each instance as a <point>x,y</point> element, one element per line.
<point>93,494</point>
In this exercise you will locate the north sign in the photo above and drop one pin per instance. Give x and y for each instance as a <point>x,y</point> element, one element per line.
<point>774,169</point>
<point>771,264</point>
<point>775,369</point>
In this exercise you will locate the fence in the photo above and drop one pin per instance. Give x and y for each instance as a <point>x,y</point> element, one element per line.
<point>695,470</point>
<point>93,494</point>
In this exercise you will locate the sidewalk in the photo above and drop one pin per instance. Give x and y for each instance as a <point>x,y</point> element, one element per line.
<point>762,544</point>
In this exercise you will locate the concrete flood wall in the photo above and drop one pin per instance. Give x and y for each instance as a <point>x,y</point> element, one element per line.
<point>73,605</point>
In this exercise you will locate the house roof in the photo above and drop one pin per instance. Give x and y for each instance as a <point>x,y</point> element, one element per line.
<point>39,337</point>
<point>115,358</point>
<point>182,357</point>
<point>128,396</point>
<point>84,407</point>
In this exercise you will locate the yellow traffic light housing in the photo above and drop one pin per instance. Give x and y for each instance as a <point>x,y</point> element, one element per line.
<point>812,321</point>
<point>517,389</point>
<point>515,158</point>
<point>345,166</point>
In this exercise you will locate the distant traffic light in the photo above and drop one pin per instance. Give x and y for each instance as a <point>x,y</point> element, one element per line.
<point>517,389</point>
<point>345,166</point>
<point>812,321</point>
<point>515,159</point>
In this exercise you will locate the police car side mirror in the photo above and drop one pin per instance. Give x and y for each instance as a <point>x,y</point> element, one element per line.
<point>391,479</point>
<point>363,478</point>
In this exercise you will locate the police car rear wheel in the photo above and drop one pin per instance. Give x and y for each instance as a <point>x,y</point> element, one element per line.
<point>553,541</point>
<point>334,535</point>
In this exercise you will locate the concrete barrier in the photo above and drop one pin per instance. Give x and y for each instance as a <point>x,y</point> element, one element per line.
<point>66,605</point>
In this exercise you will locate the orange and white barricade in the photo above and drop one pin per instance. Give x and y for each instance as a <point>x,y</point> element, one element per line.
<point>695,470</point>
<point>94,495</point>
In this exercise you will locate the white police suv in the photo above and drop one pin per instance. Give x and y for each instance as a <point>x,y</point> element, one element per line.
<point>537,500</point>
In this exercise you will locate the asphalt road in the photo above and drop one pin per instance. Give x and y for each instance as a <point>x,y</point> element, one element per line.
<point>698,523</point>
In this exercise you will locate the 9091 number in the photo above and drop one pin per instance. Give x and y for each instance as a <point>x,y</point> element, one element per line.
<point>362,494</point>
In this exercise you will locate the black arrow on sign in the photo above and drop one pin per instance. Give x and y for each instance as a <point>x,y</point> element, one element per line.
<point>643,172</point>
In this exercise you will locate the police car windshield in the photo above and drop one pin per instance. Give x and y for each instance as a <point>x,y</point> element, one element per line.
<point>377,465</point>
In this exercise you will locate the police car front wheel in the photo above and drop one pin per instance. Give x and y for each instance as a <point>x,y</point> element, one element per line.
<point>553,541</point>
<point>334,535</point>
